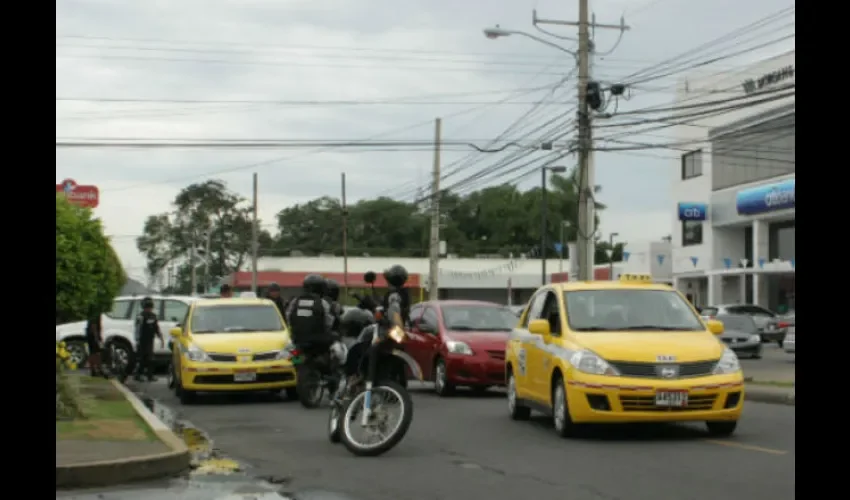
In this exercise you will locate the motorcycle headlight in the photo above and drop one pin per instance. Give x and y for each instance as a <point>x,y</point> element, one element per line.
<point>755,338</point>
<point>589,362</point>
<point>456,347</point>
<point>196,354</point>
<point>728,363</point>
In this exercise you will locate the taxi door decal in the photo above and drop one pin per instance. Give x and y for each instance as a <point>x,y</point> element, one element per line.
<point>521,360</point>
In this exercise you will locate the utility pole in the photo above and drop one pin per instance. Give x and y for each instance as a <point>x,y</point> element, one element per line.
<point>586,213</point>
<point>193,281</point>
<point>255,236</point>
<point>206,282</point>
<point>434,269</point>
<point>344,241</point>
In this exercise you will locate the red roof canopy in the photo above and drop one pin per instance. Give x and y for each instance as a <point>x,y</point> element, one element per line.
<point>242,279</point>
<point>599,274</point>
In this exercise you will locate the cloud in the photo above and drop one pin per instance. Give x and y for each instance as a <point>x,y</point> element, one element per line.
<point>267,50</point>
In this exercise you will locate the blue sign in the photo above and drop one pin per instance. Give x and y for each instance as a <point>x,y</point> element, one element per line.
<point>626,256</point>
<point>660,258</point>
<point>794,263</point>
<point>558,248</point>
<point>727,263</point>
<point>762,260</point>
<point>693,211</point>
<point>767,198</point>
<point>694,261</point>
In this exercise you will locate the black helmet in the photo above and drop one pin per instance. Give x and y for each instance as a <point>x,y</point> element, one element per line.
<point>332,289</point>
<point>147,303</point>
<point>396,276</point>
<point>313,283</point>
<point>354,320</point>
<point>274,287</point>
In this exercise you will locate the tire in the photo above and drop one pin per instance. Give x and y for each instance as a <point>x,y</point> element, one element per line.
<point>309,387</point>
<point>441,384</point>
<point>346,421</point>
<point>185,397</point>
<point>516,410</point>
<point>561,419</point>
<point>721,429</point>
<point>123,348</point>
<point>333,425</point>
<point>79,351</point>
<point>291,393</point>
<point>780,343</point>
<point>172,379</point>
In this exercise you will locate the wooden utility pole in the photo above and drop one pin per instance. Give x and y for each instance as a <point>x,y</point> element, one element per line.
<point>434,268</point>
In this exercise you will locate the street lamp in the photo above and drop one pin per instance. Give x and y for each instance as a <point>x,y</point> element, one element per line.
<point>611,257</point>
<point>555,169</point>
<point>497,32</point>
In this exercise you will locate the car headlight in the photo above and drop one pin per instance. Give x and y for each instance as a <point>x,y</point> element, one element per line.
<point>589,362</point>
<point>285,353</point>
<point>196,354</point>
<point>755,338</point>
<point>456,347</point>
<point>728,363</point>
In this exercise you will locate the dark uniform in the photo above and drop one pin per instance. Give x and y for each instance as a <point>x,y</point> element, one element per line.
<point>147,328</point>
<point>94,339</point>
<point>309,317</point>
<point>333,299</point>
<point>397,301</point>
<point>273,295</point>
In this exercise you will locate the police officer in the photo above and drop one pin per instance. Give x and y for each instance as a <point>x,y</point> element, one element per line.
<point>309,317</point>
<point>273,294</point>
<point>225,292</point>
<point>333,298</point>
<point>397,300</point>
<point>147,327</point>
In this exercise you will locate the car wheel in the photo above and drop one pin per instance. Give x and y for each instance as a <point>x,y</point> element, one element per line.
<point>172,379</point>
<point>441,380</point>
<point>721,429</point>
<point>79,352</point>
<point>780,343</point>
<point>564,425</point>
<point>515,409</point>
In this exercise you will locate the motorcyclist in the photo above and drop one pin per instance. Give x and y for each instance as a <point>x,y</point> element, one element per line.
<point>396,303</point>
<point>309,317</point>
<point>273,294</point>
<point>333,298</point>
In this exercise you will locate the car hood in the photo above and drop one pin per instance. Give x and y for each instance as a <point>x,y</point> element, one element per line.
<point>646,347</point>
<point>241,343</point>
<point>481,340</point>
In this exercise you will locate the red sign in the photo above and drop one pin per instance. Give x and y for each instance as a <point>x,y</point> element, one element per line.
<point>84,196</point>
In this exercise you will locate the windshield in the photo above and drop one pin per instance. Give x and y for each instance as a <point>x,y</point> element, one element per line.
<point>738,322</point>
<point>629,310</point>
<point>236,318</point>
<point>479,318</point>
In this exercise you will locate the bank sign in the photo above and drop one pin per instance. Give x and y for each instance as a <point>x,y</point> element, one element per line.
<point>768,79</point>
<point>693,211</point>
<point>84,196</point>
<point>767,198</point>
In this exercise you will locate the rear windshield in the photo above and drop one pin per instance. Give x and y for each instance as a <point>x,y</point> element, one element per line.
<point>708,311</point>
<point>738,322</point>
<point>236,318</point>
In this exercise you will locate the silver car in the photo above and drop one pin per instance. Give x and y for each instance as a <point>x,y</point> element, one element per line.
<point>741,334</point>
<point>790,344</point>
<point>771,327</point>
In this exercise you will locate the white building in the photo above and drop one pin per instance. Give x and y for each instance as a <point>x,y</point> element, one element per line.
<point>734,186</point>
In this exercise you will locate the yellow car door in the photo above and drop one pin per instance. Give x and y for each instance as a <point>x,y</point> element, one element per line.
<point>535,354</point>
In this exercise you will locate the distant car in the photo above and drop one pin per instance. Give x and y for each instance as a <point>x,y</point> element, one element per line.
<point>460,343</point>
<point>771,326</point>
<point>119,329</point>
<point>741,334</point>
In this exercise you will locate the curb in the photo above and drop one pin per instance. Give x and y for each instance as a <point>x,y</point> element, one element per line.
<point>105,473</point>
<point>762,395</point>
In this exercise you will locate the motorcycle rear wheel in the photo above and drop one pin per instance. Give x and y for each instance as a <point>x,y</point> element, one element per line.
<point>349,416</point>
<point>309,387</point>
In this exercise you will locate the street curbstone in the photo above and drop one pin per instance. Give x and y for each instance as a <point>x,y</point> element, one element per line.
<point>769,395</point>
<point>110,472</point>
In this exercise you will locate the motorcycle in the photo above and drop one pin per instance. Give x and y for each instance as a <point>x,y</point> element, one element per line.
<point>315,374</point>
<point>371,391</point>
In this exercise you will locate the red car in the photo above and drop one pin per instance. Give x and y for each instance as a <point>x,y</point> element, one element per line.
<point>460,343</point>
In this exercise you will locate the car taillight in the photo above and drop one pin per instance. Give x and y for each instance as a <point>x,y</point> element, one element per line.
<point>294,353</point>
<point>783,324</point>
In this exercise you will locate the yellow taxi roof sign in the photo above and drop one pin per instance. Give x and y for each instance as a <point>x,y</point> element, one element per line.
<point>636,279</point>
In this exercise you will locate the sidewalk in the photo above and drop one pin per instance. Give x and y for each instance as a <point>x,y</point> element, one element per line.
<point>118,441</point>
<point>770,394</point>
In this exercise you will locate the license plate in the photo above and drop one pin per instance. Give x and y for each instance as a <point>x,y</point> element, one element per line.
<point>671,399</point>
<point>244,377</point>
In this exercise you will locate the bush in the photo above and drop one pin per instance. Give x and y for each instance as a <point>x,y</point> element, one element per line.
<point>67,401</point>
<point>88,272</point>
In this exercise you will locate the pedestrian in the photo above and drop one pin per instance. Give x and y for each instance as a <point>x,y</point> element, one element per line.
<point>94,339</point>
<point>147,327</point>
<point>225,291</point>
<point>273,294</point>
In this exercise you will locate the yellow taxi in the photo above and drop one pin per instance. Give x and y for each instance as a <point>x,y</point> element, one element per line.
<point>225,345</point>
<point>619,352</point>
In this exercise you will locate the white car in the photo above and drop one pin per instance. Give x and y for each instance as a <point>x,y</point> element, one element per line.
<point>790,344</point>
<point>119,328</point>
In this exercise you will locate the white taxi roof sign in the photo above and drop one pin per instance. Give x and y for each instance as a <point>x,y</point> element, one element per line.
<point>247,295</point>
<point>636,279</point>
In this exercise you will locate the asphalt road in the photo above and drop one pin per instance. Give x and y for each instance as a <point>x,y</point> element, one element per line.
<point>466,447</point>
<point>775,365</point>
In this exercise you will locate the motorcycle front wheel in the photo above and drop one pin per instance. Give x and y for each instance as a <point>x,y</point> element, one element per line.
<point>382,433</point>
<point>309,386</point>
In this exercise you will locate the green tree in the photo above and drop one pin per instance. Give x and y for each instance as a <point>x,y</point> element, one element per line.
<point>88,271</point>
<point>205,215</point>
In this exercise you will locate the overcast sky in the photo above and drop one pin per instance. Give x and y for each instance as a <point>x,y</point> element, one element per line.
<point>320,50</point>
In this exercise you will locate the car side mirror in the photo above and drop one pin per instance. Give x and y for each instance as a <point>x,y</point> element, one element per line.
<point>176,332</point>
<point>715,326</point>
<point>539,327</point>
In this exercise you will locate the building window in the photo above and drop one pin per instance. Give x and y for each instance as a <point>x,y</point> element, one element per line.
<point>691,232</point>
<point>692,164</point>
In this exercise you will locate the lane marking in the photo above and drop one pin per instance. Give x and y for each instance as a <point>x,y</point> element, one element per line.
<point>748,447</point>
